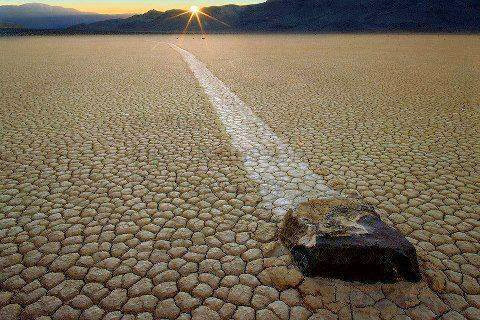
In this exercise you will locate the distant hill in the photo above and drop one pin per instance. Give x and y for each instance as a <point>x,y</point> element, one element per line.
<point>42,16</point>
<point>312,16</point>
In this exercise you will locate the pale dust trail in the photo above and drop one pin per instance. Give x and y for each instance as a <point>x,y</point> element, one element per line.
<point>284,179</point>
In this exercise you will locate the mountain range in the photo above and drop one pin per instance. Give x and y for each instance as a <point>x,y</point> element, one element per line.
<point>42,16</point>
<point>269,16</point>
<point>311,16</point>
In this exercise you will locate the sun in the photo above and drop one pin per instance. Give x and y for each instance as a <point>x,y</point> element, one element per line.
<point>195,13</point>
<point>194,9</point>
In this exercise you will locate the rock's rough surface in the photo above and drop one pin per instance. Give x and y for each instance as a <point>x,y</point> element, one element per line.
<point>344,238</point>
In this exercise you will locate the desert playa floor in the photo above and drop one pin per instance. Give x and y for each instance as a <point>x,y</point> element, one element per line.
<point>126,194</point>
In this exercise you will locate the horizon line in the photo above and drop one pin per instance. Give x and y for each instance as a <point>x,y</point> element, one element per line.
<point>120,9</point>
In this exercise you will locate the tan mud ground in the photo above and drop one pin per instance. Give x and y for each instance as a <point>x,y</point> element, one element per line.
<point>120,194</point>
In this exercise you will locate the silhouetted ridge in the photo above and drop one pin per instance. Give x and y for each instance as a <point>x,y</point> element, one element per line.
<point>311,16</point>
<point>42,16</point>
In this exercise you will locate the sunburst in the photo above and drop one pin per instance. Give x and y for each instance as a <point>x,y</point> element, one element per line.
<point>194,9</point>
<point>195,13</point>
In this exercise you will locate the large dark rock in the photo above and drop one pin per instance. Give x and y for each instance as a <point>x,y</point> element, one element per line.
<point>343,238</point>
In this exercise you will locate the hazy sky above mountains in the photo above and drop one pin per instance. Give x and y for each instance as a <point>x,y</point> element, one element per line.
<point>130,6</point>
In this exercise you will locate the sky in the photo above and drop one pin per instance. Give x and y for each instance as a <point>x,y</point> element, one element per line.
<point>130,6</point>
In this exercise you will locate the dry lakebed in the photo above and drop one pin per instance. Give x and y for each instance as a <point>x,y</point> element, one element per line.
<point>146,177</point>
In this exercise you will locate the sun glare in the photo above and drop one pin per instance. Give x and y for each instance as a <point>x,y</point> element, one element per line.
<point>194,9</point>
<point>195,12</point>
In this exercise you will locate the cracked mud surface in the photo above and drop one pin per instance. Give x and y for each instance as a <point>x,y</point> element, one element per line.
<point>121,195</point>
